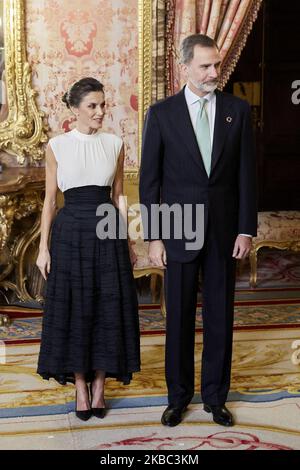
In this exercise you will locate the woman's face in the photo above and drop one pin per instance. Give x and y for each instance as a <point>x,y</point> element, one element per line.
<point>91,110</point>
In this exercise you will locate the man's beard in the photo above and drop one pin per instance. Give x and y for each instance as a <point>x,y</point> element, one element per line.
<point>207,87</point>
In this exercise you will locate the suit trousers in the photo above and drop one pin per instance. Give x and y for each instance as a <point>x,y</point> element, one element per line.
<point>218,283</point>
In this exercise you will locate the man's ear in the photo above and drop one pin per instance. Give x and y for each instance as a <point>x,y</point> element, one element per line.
<point>184,70</point>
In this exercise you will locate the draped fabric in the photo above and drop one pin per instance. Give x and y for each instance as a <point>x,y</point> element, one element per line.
<point>158,50</point>
<point>227,21</point>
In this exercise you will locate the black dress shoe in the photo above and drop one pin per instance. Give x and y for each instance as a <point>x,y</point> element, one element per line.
<point>98,412</point>
<point>172,415</point>
<point>84,415</point>
<point>221,415</point>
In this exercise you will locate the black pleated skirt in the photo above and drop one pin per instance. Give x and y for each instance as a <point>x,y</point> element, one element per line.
<point>90,319</point>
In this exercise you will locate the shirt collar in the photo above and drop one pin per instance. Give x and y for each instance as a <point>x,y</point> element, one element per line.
<point>192,98</point>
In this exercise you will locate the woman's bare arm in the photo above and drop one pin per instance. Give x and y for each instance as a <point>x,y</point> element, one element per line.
<point>119,199</point>
<point>48,212</point>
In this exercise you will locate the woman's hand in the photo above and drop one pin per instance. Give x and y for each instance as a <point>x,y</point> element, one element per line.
<point>132,254</point>
<point>43,262</point>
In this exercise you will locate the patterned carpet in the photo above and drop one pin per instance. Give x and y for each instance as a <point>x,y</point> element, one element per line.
<point>264,396</point>
<point>249,314</point>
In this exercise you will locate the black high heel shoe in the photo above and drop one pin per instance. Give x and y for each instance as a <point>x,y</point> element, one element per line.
<point>84,415</point>
<point>98,412</point>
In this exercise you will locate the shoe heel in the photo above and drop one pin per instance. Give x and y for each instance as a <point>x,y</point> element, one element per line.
<point>207,408</point>
<point>84,415</point>
<point>97,412</point>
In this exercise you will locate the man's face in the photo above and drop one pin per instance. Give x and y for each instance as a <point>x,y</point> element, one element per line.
<point>203,71</point>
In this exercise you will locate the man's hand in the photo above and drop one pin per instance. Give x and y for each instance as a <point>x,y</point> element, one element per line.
<point>242,247</point>
<point>157,253</point>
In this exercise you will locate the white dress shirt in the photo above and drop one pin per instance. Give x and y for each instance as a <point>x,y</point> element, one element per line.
<point>193,104</point>
<point>192,101</point>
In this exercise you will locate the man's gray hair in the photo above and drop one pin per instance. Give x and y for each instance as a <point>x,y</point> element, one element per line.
<point>188,44</point>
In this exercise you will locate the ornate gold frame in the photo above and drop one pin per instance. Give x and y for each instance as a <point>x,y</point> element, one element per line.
<point>144,101</point>
<point>24,131</point>
<point>145,64</point>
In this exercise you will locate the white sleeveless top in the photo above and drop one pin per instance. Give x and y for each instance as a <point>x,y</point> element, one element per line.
<point>85,159</point>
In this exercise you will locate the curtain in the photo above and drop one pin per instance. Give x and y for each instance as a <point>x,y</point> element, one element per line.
<point>158,50</point>
<point>228,22</point>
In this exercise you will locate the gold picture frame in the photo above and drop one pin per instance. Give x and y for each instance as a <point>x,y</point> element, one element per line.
<point>145,65</point>
<point>24,131</point>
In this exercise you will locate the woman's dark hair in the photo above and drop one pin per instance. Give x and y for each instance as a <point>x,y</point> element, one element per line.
<point>80,89</point>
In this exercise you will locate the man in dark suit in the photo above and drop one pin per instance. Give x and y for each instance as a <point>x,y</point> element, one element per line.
<point>198,149</point>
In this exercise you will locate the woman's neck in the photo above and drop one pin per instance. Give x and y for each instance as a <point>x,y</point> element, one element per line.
<point>85,129</point>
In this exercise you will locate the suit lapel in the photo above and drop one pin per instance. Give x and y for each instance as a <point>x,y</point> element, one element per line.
<point>182,123</point>
<point>223,122</point>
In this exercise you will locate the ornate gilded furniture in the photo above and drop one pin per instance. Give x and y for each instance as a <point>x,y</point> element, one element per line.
<point>21,202</point>
<point>22,137</point>
<point>279,229</point>
<point>143,267</point>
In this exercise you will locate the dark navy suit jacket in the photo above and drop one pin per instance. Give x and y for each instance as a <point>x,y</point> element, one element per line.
<point>172,170</point>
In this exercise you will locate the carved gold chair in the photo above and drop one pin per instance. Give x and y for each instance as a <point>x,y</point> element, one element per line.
<point>143,267</point>
<point>278,229</point>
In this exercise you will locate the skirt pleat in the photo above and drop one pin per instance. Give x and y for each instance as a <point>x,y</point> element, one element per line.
<point>90,319</point>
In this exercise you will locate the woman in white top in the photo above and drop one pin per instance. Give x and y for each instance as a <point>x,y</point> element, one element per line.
<point>90,323</point>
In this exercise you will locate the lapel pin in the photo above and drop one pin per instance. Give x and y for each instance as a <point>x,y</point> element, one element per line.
<point>229,119</point>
